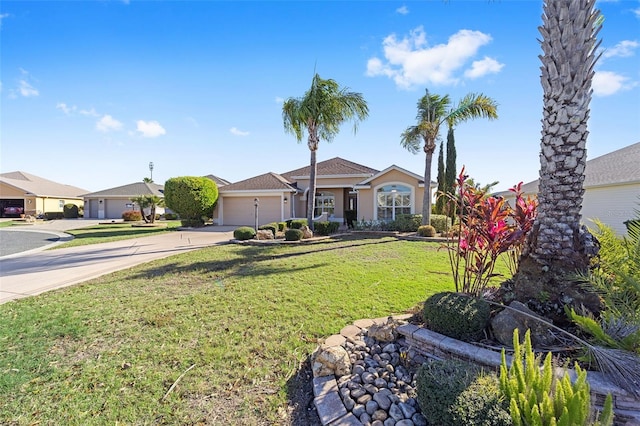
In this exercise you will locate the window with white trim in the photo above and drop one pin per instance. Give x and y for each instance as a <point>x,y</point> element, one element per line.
<point>325,203</point>
<point>393,200</point>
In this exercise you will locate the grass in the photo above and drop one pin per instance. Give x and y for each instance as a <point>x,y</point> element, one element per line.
<point>6,223</point>
<point>246,318</point>
<point>114,232</point>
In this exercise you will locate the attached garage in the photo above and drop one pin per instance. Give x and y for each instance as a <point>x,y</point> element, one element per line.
<point>241,211</point>
<point>110,203</point>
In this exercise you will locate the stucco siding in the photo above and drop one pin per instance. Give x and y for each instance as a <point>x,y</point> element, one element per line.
<point>115,206</point>
<point>7,191</point>
<point>612,205</point>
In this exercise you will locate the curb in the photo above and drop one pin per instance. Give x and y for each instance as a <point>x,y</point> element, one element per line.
<point>328,403</point>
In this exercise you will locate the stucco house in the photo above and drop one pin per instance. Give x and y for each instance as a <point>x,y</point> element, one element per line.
<point>24,193</point>
<point>612,188</point>
<point>110,203</point>
<point>340,185</point>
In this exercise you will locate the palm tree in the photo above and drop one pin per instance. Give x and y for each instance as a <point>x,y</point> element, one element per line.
<point>321,112</point>
<point>433,111</point>
<point>557,245</point>
<point>151,202</point>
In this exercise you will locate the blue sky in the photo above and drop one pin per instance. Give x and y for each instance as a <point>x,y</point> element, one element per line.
<point>92,91</point>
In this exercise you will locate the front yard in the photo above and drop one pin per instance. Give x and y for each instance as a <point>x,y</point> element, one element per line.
<point>241,319</point>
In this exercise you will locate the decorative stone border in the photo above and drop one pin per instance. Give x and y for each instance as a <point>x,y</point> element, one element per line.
<point>328,402</point>
<point>438,346</point>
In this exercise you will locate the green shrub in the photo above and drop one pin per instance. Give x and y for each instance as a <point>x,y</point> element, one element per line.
<point>457,315</point>
<point>482,404</point>
<point>244,233</point>
<point>170,216</point>
<point>53,215</point>
<point>325,228</point>
<point>282,226</point>
<point>192,223</point>
<point>273,227</point>
<point>439,384</point>
<point>440,222</point>
<point>292,234</point>
<point>407,222</point>
<point>427,231</point>
<point>131,215</point>
<point>70,211</point>
<point>537,397</point>
<point>296,223</point>
<point>191,197</point>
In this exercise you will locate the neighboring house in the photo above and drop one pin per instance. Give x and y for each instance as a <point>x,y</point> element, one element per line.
<point>612,188</point>
<point>24,193</point>
<point>110,203</point>
<point>340,185</point>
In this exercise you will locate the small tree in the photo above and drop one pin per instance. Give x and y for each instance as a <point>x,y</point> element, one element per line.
<point>151,202</point>
<point>191,197</point>
<point>441,200</point>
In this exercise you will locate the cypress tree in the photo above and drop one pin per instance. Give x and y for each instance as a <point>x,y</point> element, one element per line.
<point>450,169</point>
<point>440,200</point>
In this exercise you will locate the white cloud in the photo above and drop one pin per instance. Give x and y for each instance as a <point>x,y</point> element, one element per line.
<point>65,108</point>
<point>2,16</point>
<point>279,100</point>
<point>624,49</point>
<point>88,112</point>
<point>483,67</point>
<point>27,90</point>
<point>637,12</point>
<point>411,61</point>
<point>238,132</point>
<point>402,10</point>
<point>107,123</point>
<point>150,129</point>
<point>606,83</point>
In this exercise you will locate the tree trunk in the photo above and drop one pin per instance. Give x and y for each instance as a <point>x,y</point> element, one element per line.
<point>311,195</point>
<point>426,201</point>
<point>558,245</point>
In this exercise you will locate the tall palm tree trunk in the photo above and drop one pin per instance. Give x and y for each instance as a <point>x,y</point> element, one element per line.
<point>426,201</point>
<point>311,196</point>
<point>558,245</point>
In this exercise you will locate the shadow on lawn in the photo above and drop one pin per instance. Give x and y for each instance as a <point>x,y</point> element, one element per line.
<point>300,396</point>
<point>251,257</point>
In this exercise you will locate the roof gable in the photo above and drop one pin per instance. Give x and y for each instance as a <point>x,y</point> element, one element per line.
<point>40,187</point>
<point>334,166</point>
<point>131,190</point>
<point>267,181</point>
<point>218,180</point>
<point>396,168</point>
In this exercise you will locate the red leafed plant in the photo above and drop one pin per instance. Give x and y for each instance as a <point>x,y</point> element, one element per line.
<point>487,227</point>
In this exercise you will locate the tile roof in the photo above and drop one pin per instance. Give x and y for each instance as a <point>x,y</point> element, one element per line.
<point>267,181</point>
<point>617,167</point>
<point>40,187</point>
<point>334,166</point>
<point>130,190</point>
<point>218,180</point>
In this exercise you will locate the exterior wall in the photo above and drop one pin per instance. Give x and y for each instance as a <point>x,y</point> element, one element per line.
<point>7,191</point>
<point>367,207</point>
<point>612,205</point>
<point>240,210</point>
<point>322,183</point>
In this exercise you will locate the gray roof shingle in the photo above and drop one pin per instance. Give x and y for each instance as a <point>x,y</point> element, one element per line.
<point>267,181</point>
<point>130,190</point>
<point>333,166</point>
<point>40,187</point>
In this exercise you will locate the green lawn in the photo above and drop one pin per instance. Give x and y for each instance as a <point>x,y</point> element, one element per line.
<point>113,232</point>
<point>246,317</point>
<point>5,223</point>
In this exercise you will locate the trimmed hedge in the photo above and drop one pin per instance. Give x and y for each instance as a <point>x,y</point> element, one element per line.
<point>292,234</point>
<point>70,211</point>
<point>131,215</point>
<point>191,197</point>
<point>440,222</point>
<point>296,223</point>
<point>244,233</point>
<point>457,315</point>
<point>455,392</point>
<point>325,228</point>
<point>427,231</point>
<point>170,216</point>
<point>53,215</point>
<point>273,227</point>
<point>408,222</point>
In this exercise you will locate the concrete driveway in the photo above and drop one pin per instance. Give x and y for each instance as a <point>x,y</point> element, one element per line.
<point>37,271</point>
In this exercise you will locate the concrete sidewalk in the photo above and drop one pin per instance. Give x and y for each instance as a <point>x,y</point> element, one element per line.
<point>36,272</point>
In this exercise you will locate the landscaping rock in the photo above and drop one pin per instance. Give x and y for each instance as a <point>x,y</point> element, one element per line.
<point>264,234</point>
<point>306,232</point>
<point>508,320</point>
<point>331,360</point>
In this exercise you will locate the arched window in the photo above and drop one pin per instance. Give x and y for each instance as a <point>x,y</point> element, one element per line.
<point>393,200</point>
<point>325,203</point>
